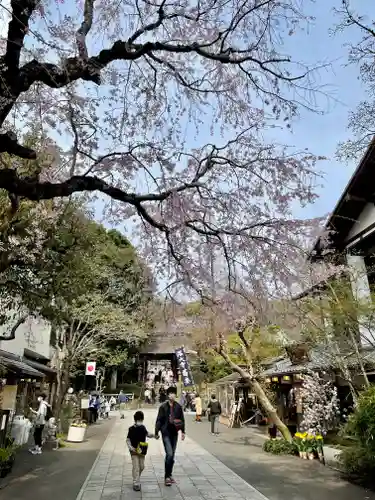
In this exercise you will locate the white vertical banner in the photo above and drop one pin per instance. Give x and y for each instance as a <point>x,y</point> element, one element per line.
<point>90,368</point>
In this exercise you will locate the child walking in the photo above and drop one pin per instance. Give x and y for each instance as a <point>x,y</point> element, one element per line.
<point>138,445</point>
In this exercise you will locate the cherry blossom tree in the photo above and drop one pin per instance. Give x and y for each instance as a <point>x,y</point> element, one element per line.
<point>164,107</point>
<point>320,404</point>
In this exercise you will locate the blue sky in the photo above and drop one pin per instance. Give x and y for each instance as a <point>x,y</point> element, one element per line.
<point>321,134</point>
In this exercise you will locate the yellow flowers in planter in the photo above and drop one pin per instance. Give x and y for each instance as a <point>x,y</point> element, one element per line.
<point>78,424</point>
<point>308,444</point>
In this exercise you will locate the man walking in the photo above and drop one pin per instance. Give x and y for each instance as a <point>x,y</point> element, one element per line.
<point>169,422</point>
<point>214,407</point>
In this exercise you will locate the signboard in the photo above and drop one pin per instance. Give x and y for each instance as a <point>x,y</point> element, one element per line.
<point>90,368</point>
<point>183,365</point>
<point>85,403</point>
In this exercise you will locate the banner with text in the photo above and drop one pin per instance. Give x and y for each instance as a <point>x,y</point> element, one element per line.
<point>183,365</point>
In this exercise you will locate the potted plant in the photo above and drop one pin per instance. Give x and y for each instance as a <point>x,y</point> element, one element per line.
<point>311,446</point>
<point>302,445</point>
<point>6,460</point>
<point>77,431</point>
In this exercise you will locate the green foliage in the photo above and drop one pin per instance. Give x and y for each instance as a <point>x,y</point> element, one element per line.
<point>359,458</point>
<point>193,309</point>
<point>358,463</point>
<point>121,273</point>
<point>262,348</point>
<point>112,356</point>
<point>217,368</point>
<point>361,423</point>
<point>280,447</point>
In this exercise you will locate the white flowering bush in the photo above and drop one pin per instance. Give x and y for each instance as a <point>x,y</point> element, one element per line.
<point>320,405</point>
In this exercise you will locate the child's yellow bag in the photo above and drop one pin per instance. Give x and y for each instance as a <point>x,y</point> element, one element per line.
<point>142,449</point>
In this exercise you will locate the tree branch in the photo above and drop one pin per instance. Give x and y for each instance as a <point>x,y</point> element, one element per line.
<point>236,368</point>
<point>17,30</point>
<point>85,27</point>
<point>12,334</point>
<point>35,190</point>
<point>75,68</point>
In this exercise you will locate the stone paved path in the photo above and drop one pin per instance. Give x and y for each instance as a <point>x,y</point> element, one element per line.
<point>199,475</point>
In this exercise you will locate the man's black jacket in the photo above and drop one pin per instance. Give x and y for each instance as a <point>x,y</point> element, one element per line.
<point>162,420</point>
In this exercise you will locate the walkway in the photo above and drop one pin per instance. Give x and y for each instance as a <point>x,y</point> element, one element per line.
<point>199,475</point>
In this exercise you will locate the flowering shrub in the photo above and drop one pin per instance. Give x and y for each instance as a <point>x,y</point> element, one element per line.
<point>320,405</point>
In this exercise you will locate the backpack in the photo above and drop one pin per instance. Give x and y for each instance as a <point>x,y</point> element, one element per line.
<point>215,407</point>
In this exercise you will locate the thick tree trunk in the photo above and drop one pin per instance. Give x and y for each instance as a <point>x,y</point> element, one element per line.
<point>269,409</point>
<point>61,389</point>
<point>114,379</point>
<point>261,395</point>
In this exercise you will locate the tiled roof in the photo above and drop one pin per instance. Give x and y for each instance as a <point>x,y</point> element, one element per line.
<point>233,377</point>
<point>17,366</point>
<point>320,359</point>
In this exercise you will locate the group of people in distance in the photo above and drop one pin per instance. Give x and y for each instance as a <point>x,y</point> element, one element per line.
<point>170,422</point>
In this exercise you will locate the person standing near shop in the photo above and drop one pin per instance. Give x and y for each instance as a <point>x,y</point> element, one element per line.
<point>214,408</point>
<point>41,417</point>
<point>170,421</point>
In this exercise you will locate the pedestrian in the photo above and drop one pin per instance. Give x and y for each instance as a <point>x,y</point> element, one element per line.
<point>147,396</point>
<point>112,402</point>
<point>214,408</point>
<point>122,399</point>
<point>41,417</point>
<point>188,401</point>
<point>162,395</point>
<point>169,422</point>
<point>92,409</point>
<point>137,444</point>
<point>198,408</point>
<point>96,408</point>
<point>183,400</point>
<point>107,408</point>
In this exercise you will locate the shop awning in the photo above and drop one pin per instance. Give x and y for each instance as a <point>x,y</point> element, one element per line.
<point>20,367</point>
<point>39,366</point>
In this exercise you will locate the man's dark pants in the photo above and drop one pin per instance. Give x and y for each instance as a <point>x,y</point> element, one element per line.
<point>170,444</point>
